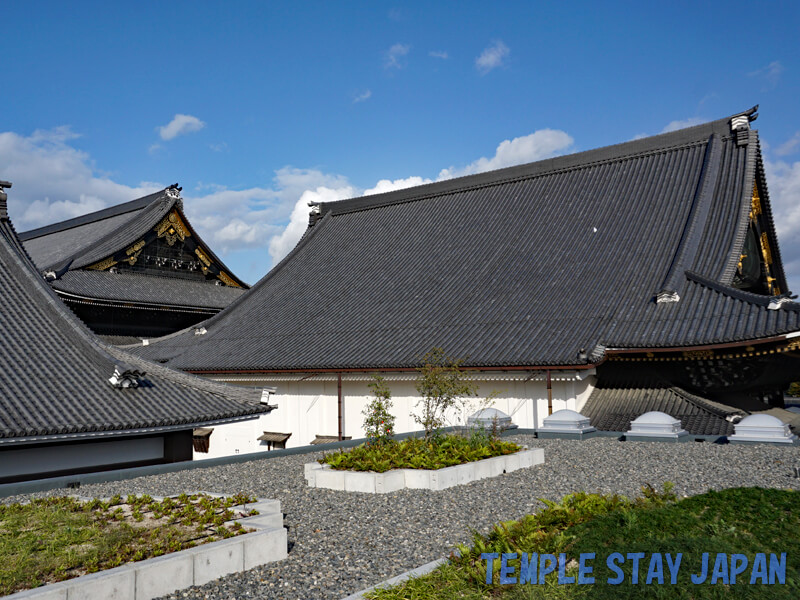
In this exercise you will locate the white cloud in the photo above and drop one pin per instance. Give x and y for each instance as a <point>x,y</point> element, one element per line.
<point>386,185</point>
<point>180,125</point>
<point>682,124</point>
<point>492,57</point>
<point>221,147</point>
<point>54,181</point>
<point>281,244</point>
<point>363,96</point>
<point>438,54</point>
<point>770,74</point>
<point>789,146</point>
<point>237,219</point>
<point>539,145</point>
<point>783,179</point>
<point>394,56</point>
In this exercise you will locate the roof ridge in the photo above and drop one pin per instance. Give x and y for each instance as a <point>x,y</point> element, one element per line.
<point>738,294</point>
<point>702,403</point>
<point>92,217</point>
<point>160,206</point>
<point>309,233</point>
<point>651,145</point>
<point>696,219</point>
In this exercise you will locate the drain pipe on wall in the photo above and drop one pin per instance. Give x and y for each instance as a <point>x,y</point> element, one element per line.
<point>340,405</point>
<point>549,394</point>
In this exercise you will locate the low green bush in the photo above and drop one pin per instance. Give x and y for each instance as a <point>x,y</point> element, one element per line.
<point>416,453</point>
<point>739,520</point>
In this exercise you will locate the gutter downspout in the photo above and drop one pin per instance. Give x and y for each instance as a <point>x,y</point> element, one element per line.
<point>340,404</point>
<point>549,394</point>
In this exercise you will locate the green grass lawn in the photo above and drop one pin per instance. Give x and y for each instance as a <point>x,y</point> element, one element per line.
<point>736,521</point>
<point>416,453</point>
<point>54,539</point>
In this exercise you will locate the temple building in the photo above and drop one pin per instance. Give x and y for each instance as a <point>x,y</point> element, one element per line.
<point>135,270</point>
<point>71,404</point>
<point>614,281</point>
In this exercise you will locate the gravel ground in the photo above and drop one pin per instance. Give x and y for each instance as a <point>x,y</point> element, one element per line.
<point>341,542</point>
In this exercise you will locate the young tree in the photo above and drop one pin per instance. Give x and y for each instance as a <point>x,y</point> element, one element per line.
<point>378,420</point>
<point>442,387</point>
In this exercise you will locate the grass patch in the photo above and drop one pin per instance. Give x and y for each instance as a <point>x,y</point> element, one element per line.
<point>742,521</point>
<point>53,539</point>
<point>416,453</point>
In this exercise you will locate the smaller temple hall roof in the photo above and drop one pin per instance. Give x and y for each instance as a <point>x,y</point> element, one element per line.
<point>58,381</point>
<point>93,256</point>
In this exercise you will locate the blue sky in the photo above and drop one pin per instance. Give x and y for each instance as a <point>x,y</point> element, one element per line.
<point>256,107</point>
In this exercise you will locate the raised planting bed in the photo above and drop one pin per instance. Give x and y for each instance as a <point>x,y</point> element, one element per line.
<point>72,547</point>
<point>416,465</point>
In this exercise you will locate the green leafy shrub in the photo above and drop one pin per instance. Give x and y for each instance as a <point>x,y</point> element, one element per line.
<point>417,453</point>
<point>441,387</point>
<point>378,420</point>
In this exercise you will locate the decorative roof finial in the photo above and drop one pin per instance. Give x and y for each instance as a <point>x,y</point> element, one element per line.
<point>743,120</point>
<point>173,192</point>
<point>314,214</point>
<point>125,379</point>
<point>4,199</point>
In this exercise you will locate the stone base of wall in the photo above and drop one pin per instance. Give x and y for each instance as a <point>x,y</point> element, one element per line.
<point>368,482</point>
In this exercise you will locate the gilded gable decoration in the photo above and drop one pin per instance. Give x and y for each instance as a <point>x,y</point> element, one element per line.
<point>133,252</point>
<point>225,278</point>
<point>755,203</point>
<point>103,264</point>
<point>172,228</point>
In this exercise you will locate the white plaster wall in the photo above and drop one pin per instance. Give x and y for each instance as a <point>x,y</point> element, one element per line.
<point>308,408</point>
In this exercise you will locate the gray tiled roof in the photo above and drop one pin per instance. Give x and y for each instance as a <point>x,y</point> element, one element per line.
<point>54,372</point>
<point>524,266</point>
<point>51,244</point>
<point>138,287</point>
<point>613,409</point>
<point>68,247</point>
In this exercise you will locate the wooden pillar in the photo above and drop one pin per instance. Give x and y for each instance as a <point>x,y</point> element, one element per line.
<point>340,406</point>
<point>549,394</point>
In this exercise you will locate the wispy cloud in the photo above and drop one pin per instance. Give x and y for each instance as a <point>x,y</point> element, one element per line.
<point>673,126</point>
<point>439,54</point>
<point>539,145</point>
<point>394,56</point>
<point>770,74</point>
<point>180,125</point>
<point>784,190</point>
<point>387,185</point>
<point>54,181</point>
<point>682,124</point>
<point>363,96</point>
<point>221,147</point>
<point>492,57</point>
<point>790,146</point>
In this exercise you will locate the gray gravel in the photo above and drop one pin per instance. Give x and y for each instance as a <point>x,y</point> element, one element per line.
<point>342,542</point>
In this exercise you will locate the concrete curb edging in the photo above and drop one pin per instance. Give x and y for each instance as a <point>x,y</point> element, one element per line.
<point>165,574</point>
<point>418,572</point>
<point>369,482</point>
